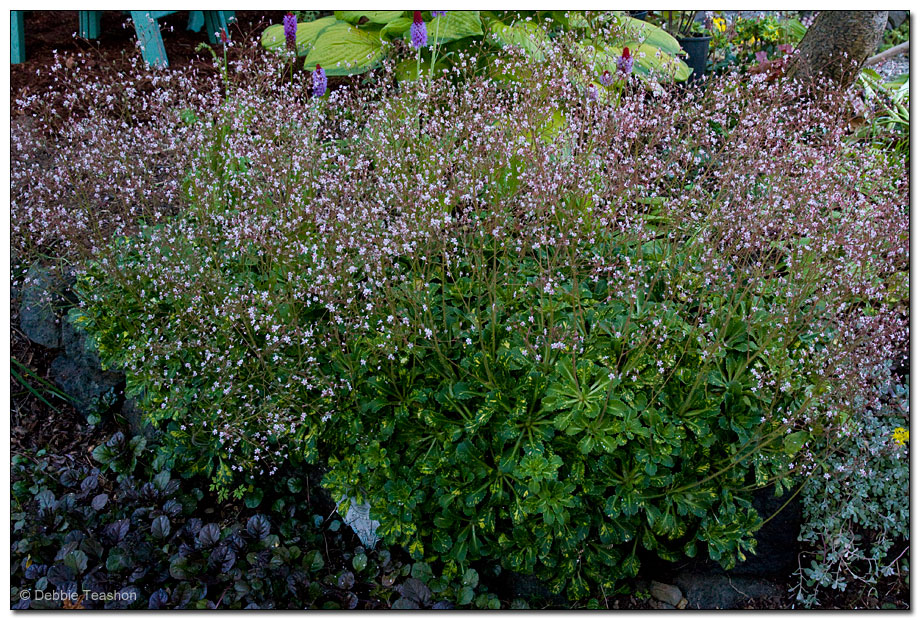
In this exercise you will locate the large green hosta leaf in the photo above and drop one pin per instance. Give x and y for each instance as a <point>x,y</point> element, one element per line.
<point>648,61</point>
<point>374,17</point>
<point>409,70</point>
<point>342,49</point>
<point>396,28</point>
<point>273,36</point>
<point>650,34</point>
<point>451,27</point>
<point>526,35</point>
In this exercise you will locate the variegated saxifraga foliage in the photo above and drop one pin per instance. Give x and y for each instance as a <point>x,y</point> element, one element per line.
<point>523,324</point>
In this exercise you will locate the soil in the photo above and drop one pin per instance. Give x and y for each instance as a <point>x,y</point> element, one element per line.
<point>50,32</point>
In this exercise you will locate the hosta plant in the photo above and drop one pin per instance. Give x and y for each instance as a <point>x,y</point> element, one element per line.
<point>354,42</point>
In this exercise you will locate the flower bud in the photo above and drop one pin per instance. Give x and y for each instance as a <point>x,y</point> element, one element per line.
<point>418,31</point>
<point>319,82</point>
<point>290,31</point>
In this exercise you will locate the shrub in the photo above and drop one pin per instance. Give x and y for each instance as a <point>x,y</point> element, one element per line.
<point>856,507</point>
<point>523,323</point>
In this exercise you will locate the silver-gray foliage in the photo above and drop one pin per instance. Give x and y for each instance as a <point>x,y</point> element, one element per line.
<point>856,511</point>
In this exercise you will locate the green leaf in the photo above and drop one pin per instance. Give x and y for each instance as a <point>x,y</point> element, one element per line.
<point>422,572</point>
<point>646,60</point>
<point>137,444</point>
<point>630,566</point>
<point>342,49</point>
<point>117,560</point>
<point>441,541</point>
<point>103,454</point>
<point>617,407</point>
<point>307,33</point>
<point>314,560</point>
<point>374,17</point>
<point>452,27</point>
<point>396,28</point>
<point>526,35</point>
<point>793,442</point>
<point>471,578</point>
<point>253,498</point>
<point>649,34</point>
<point>416,549</point>
<point>359,562</point>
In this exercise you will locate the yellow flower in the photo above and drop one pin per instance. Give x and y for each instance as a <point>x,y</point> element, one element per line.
<point>901,436</point>
<point>719,23</point>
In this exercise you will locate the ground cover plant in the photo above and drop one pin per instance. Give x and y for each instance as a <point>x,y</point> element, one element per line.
<point>121,533</point>
<point>857,508</point>
<point>538,325</point>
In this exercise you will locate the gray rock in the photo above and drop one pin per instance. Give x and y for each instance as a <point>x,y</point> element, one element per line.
<point>661,605</point>
<point>93,390</point>
<point>77,346</point>
<point>529,588</point>
<point>135,419</point>
<point>776,553</point>
<point>714,591</point>
<point>896,18</point>
<point>38,316</point>
<point>666,593</point>
<point>359,519</point>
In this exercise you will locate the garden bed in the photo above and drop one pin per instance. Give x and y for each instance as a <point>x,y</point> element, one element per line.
<point>381,302</point>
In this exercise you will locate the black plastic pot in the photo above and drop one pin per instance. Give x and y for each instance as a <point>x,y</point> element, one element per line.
<point>697,49</point>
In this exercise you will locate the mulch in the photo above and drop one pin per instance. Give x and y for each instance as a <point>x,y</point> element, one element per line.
<point>50,32</point>
<point>35,426</point>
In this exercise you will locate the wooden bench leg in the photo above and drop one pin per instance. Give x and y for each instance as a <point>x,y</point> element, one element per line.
<point>213,22</point>
<point>90,24</point>
<point>17,38</point>
<point>148,33</point>
<point>195,21</point>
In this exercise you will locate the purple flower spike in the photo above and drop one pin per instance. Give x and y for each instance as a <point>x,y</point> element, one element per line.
<point>625,62</point>
<point>606,78</point>
<point>418,31</point>
<point>290,31</point>
<point>438,13</point>
<point>319,82</point>
<point>592,92</point>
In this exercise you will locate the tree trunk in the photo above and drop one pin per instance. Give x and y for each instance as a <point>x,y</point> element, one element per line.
<point>837,45</point>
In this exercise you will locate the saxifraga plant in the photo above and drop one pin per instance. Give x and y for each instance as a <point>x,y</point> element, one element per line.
<point>521,323</point>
